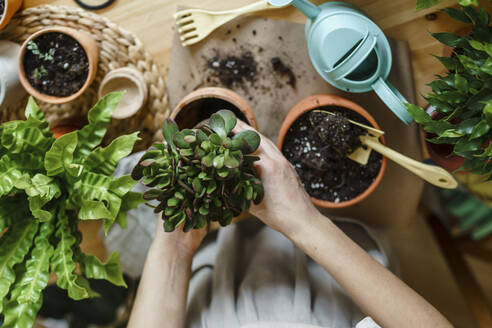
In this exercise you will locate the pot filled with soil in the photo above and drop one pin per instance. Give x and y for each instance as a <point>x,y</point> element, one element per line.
<point>317,144</point>
<point>202,103</point>
<point>56,65</point>
<point>7,9</point>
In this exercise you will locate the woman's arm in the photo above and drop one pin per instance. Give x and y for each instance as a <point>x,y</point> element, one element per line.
<point>161,295</point>
<point>377,291</point>
<point>288,209</point>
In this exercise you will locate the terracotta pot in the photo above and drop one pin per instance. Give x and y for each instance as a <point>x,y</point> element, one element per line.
<point>131,81</point>
<point>317,101</point>
<point>90,48</point>
<point>194,107</point>
<point>11,7</point>
<point>61,130</point>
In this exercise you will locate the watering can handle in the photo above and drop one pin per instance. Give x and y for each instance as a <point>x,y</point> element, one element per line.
<point>355,59</point>
<point>393,99</point>
<point>308,9</point>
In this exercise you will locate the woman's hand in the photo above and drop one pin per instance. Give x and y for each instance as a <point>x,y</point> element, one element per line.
<point>286,204</point>
<point>185,243</point>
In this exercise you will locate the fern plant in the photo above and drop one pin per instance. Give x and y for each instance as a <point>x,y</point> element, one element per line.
<point>463,96</point>
<point>203,174</point>
<point>46,186</point>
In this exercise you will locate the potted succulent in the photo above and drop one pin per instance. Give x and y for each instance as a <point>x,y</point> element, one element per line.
<point>7,9</point>
<point>317,144</point>
<point>201,175</point>
<point>56,65</point>
<point>47,185</point>
<point>202,103</point>
<point>459,131</point>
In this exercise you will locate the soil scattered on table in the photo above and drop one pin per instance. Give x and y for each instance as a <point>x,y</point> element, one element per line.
<point>56,64</point>
<point>317,144</point>
<point>234,70</point>
<point>2,8</point>
<point>280,68</point>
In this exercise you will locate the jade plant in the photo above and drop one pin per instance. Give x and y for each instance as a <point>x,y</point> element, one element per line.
<point>46,186</point>
<point>462,96</point>
<point>203,174</point>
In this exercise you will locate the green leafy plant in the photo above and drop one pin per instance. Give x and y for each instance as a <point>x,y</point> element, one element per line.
<point>424,4</point>
<point>463,96</point>
<point>46,186</point>
<point>203,174</point>
<point>38,73</point>
<point>34,48</point>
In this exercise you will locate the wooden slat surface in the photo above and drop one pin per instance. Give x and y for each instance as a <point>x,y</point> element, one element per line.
<point>152,21</point>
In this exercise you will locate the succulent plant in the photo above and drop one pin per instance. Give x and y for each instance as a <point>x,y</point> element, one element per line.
<point>462,96</point>
<point>203,174</point>
<point>46,186</point>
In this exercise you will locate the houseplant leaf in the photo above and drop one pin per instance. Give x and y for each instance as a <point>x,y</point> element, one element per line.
<point>63,262</point>
<point>14,247</point>
<point>95,269</point>
<point>91,135</point>
<point>105,160</point>
<point>218,125</point>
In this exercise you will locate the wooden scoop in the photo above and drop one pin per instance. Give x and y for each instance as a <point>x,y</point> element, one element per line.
<point>433,174</point>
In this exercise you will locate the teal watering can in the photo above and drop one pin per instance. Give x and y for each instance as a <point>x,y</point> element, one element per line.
<point>349,51</point>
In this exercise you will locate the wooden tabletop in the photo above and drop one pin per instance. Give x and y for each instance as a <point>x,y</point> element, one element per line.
<point>152,22</point>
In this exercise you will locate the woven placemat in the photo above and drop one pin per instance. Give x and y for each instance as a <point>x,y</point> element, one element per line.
<point>117,48</point>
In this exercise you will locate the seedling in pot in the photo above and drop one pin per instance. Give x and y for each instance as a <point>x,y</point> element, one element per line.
<point>203,174</point>
<point>56,64</point>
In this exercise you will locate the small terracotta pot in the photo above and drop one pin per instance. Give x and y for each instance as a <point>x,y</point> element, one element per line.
<point>11,7</point>
<point>323,100</point>
<point>185,113</point>
<point>131,81</point>
<point>61,130</point>
<point>90,48</point>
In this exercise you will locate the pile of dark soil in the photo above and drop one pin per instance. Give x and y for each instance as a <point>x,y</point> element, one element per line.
<point>317,144</point>
<point>2,8</point>
<point>234,70</point>
<point>284,70</point>
<point>56,64</point>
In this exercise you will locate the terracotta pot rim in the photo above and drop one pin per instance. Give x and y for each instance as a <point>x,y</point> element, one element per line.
<point>219,93</point>
<point>322,100</point>
<point>91,60</point>
<point>136,78</point>
<point>9,12</point>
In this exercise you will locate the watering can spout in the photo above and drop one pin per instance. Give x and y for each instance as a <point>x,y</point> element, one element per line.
<point>306,7</point>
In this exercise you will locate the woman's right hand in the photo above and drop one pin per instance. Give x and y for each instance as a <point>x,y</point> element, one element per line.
<point>286,205</point>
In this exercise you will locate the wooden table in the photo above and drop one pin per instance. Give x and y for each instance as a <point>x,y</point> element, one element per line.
<point>152,21</point>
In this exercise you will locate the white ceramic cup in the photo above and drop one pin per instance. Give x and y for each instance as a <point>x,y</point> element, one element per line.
<point>11,91</point>
<point>133,83</point>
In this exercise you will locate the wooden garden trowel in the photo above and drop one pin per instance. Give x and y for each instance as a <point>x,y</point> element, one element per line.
<point>433,174</point>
